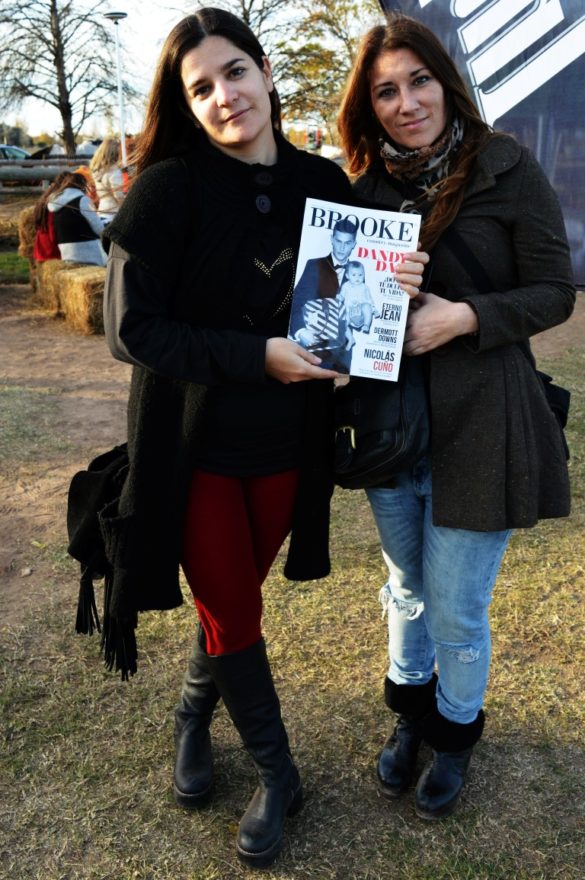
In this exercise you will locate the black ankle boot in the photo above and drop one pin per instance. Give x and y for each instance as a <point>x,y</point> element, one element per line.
<point>443,778</point>
<point>193,777</point>
<point>260,833</point>
<point>397,759</point>
<point>245,684</point>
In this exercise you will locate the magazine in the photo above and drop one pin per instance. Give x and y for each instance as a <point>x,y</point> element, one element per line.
<point>347,307</point>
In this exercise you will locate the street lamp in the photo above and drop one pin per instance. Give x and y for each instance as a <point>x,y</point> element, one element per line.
<point>117,17</point>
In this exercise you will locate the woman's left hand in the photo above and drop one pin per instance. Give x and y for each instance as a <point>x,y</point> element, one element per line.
<point>436,321</point>
<point>409,274</point>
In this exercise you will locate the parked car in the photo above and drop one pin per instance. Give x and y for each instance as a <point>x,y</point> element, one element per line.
<point>85,150</point>
<point>48,152</point>
<point>88,148</point>
<point>8,152</point>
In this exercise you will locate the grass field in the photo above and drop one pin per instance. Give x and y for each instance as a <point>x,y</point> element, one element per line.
<point>13,269</point>
<point>85,765</point>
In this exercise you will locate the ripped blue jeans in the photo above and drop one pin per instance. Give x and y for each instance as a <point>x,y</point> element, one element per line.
<point>437,596</point>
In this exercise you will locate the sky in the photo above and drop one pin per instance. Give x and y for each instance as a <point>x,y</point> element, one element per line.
<point>141,36</point>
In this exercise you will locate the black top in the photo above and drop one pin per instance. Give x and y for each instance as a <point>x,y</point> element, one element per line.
<point>71,225</point>
<point>247,221</point>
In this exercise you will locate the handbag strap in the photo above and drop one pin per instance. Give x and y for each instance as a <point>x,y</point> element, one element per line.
<point>468,260</point>
<point>477,272</point>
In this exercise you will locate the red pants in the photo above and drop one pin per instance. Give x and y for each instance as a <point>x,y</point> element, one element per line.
<point>234,527</point>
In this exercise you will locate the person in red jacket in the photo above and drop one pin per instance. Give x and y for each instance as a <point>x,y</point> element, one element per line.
<point>45,245</point>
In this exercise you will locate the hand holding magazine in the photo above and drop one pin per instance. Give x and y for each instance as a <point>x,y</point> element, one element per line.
<point>347,306</point>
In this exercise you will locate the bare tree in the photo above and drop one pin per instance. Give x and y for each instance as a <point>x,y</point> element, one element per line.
<point>61,53</point>
<point>314,67</point>
<point>270,20</point>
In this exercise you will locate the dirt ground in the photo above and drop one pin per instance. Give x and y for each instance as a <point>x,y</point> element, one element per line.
<point>85,390</point>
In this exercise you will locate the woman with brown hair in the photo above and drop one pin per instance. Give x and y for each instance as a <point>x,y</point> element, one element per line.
<point>499,273</point>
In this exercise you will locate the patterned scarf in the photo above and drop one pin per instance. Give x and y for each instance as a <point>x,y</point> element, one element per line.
<point>425,169</point>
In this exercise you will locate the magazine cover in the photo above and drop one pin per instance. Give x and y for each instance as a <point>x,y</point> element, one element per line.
<point>347,307</point>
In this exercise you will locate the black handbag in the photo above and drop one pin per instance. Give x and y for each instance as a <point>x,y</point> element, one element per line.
<point>381,427</point>
<point>89,492</point>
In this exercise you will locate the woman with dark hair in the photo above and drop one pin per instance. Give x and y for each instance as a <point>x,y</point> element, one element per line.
<point>499,273</point>
<point>229,443</point>
<point>76,224</point>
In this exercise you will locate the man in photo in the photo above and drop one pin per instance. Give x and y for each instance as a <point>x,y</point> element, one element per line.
<point>322,278</point>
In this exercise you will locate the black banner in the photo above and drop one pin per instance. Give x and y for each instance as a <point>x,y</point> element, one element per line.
<point>524,61</point>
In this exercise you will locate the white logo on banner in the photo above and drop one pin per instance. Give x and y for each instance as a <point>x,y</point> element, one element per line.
<point>488,54</point>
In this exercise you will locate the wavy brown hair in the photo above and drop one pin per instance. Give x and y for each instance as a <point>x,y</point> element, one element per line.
<point>169,127</point>
<point>360,129</point>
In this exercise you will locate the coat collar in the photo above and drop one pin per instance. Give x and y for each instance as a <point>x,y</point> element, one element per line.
<point>500,154</point>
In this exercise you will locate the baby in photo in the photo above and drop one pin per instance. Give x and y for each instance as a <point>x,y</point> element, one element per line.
<point>359,305</point>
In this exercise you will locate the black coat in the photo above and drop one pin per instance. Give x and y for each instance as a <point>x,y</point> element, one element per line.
<point>498,459</point>
<point>158,226</point>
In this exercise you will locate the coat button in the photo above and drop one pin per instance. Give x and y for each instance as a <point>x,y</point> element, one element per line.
<point>263,204</point>
<point>263,178</point>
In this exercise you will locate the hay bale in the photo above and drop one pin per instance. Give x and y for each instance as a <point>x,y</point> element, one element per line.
<point>81,295</point>
<point>9,231</point>
<point>74,290</point>
<point>26,241</point>
<point>48,285</point>
<point>26,232</point>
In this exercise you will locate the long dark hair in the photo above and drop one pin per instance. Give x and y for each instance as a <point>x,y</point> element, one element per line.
<point>360,129</point>
<point>169,127</point>
<point>63,180</point>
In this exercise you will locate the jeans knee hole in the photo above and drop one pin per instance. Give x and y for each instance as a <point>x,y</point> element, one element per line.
<point>405,609</point>
<point>462,653</point>
<point>408,610</point>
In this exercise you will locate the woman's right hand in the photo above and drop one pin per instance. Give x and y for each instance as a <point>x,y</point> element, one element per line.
<point>409,273</point>
<point>289,362</point>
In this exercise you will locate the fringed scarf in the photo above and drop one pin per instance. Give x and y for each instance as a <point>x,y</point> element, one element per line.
<point>424,170</point>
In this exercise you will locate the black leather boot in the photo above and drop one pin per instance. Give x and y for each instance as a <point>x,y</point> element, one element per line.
<point>245,683</point>
<point>193,776</point>
<point>443,778</point>
<point>397,759</point>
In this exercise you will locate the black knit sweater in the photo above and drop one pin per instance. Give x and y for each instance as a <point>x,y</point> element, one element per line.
<point>159,226</point>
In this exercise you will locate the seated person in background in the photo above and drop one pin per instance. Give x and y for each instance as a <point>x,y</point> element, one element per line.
<point>109,182</point>
<point>45,244</point>
<point>77,225</point>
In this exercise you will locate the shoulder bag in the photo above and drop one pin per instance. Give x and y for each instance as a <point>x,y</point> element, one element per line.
<point>381,427</point>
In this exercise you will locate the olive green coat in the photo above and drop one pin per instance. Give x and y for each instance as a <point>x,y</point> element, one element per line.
<point>497,455</point>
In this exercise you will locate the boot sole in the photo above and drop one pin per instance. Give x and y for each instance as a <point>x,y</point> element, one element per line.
<point>265,858</point>
<point>442,813</point>
<point>193,801</point>
<point>391,794</point>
